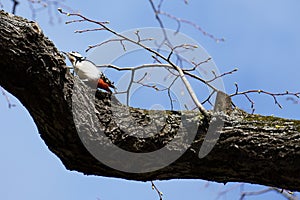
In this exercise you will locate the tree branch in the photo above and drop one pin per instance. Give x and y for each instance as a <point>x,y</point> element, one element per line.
<point>251,148</point>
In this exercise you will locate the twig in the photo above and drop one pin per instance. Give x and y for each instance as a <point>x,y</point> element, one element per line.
<point>274,95</point>
<point>180,20</point>
<point>158,18</point>
<point>160,194</point>
<point>287,195</point>
<point>202,80</point>
<point>228,190</point>
<point>196,65</point>
<point>146,85</point>
<point>88,30</point>
<point>208,98</point>
<point>219,76</point>
<point>196,26</point>
<point>16,3</point>
<point>50,5</point>
<point>10,105</point>
<point>133,69</point>
<point>121,40</point>
<point>181,46</point>
<point>168,67</point>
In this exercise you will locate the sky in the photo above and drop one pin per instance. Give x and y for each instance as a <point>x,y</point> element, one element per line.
<point>261,40</point>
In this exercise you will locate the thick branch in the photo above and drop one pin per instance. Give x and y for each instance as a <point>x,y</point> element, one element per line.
<point>251,148</point>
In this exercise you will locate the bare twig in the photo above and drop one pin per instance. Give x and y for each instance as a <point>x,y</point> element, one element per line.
<point>196,65</point>
<point>181,46</point>
<point>133,69</point>
<point>201,80</point>
<point>157,11</point>
<point>15,4</point>
<point>139,39</point>
<point>88,30</point>
<point>274,95</point>
<point>196,26</point>
<point>169,92</point>
<point>160,22</point>
<point>10,105</point>
<point>228,190</point>
<point>160,194</point>
<point>121,40</point>
<point>51,5</point>
<point>208,98</point>
<point>140,81</point>
<point>284,193</point>
<point>73,21</point>
<point>219,76</point>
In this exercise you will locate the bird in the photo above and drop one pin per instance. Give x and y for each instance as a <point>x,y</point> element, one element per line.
<point>88,72</point>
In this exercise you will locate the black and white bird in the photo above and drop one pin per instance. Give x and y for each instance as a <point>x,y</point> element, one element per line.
<point>88,72</point>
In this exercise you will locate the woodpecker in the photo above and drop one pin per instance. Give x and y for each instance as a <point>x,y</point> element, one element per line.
<point>88,72</point>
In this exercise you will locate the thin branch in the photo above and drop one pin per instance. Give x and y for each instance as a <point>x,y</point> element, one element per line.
<point>160,194</point>
<point>196,26</point>
<point>168,66</point>
<point>74,21</point>
<point>134,68</point>
<point>219,76</point>
<point>139,37</point>
<point>10,105</point>
<point>274,95</point>
<point>284,193</point>
<point>169,92</point>
<point>208,98</point>
<point>156,11</point>
<point>160,22</point>
<point>181,46</point>
<point>121,40</point>
<point>228,190</point>
<point>88,30</point>
<point>140,81</point>
<point>51,5</point>
<point>202,80</point>
<point>196,65</point>
<point>164,89</point>
<point>15,4</point>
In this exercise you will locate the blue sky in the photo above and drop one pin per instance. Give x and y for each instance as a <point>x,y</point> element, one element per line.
<point>262,41</point>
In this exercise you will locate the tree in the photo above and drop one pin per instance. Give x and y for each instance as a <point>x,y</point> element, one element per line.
<point>48,78</point>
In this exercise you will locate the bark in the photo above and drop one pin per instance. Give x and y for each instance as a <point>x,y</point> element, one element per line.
<point>251,148</point>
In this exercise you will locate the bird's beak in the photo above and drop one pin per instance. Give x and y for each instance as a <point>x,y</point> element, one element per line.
<point>64,53</point>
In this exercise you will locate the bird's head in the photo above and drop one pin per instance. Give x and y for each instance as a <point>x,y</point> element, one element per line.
<point>74,57</point>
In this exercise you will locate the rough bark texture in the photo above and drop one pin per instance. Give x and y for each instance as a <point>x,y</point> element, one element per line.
<point>251,148</point>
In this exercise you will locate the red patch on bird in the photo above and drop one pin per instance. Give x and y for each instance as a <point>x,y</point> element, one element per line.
<point>103,85</point>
